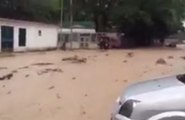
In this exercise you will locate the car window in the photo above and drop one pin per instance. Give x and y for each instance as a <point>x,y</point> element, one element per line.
<point>127,109</point>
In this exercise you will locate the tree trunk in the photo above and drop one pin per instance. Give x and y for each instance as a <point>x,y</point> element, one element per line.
<point>100,22</point>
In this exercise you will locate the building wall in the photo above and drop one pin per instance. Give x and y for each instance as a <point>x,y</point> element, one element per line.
<point>78,34</point>
<point>48,38</point>
<point>76,45</point>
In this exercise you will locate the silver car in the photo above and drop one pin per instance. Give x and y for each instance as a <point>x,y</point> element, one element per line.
<point>158,99</point>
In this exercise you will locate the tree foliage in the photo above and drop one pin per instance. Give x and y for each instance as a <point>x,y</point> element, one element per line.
<point>145,20</point>
<point>140,20</point>
<point>37,10</point>
<point>98,11</point>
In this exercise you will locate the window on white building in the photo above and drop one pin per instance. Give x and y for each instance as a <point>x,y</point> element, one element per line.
<point>40,33</point>
<point>22,37</point>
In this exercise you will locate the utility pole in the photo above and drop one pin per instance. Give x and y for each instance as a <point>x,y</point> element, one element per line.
<point>61,23</point>
<point>71,23</point>
<point>61,13</point>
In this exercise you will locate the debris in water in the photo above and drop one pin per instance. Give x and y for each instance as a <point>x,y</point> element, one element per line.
<point>70,58</point>
<point>125,61</point>
<point>58,96</point>
<point>183,57</point>
<point>24,67</point>
<point>50,70</point>
<point>42,64</point>
<point>9,92</point>
<point>55,70</point>
<point>80,60</point>
<point>75,59</point>
<point>125,81</point>
<point>52,87</point>
<point>9,76</point>
<point>6,77</point>
<point>170,57</point>
<point>14,71</point>
<point>27,75</point>
<point>161,61</point>
<point>74,78</point>
<point>3,68</point>
<point>130,54</point>
<point>83,112</point>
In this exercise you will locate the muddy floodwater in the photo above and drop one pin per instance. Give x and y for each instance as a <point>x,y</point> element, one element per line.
<point>77,85</point>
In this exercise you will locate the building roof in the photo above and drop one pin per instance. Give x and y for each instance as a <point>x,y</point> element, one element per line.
<point>80,24</point>
<point>78,30</point>
<point>5,20</point>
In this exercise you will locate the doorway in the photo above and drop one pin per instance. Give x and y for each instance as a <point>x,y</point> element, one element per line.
<point>7,34</point>
<point>84,41</point>
<point>22,37</point>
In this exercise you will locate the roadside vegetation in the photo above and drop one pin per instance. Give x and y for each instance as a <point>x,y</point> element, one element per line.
<point>142,21</point>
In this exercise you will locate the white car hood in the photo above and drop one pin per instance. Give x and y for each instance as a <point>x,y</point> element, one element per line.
<point>151,86</point>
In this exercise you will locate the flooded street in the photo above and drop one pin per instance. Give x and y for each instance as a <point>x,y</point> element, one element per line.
<point>52,86</point>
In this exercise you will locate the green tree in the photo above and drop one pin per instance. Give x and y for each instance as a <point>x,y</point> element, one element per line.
<point>142,21</point>
<point>42,10</point>
<point>97,11</point>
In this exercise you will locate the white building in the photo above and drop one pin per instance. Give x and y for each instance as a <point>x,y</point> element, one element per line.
<point>17,35</point>
<point>81,38</point>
